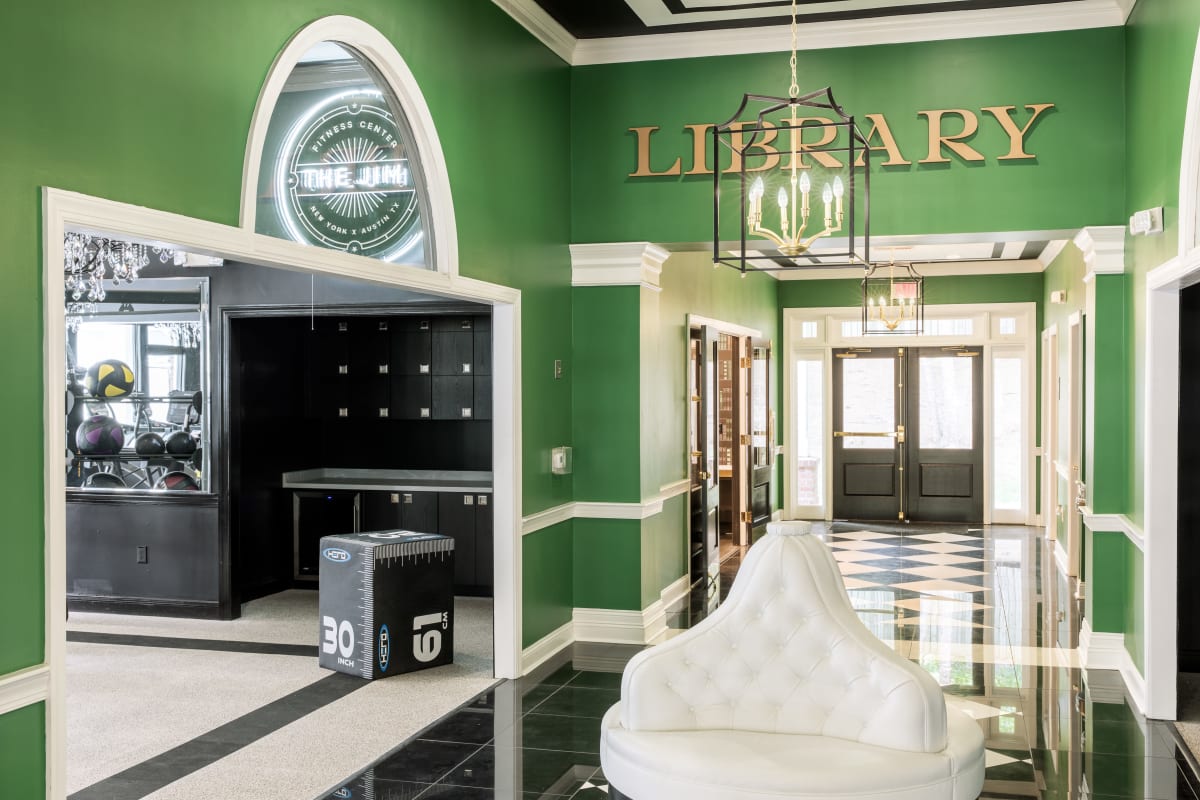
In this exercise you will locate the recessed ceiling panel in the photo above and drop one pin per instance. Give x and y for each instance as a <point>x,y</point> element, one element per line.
<point>607,18</point>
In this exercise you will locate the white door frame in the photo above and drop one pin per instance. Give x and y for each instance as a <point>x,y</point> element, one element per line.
<point>1074,463</point>
<point>1049,505</point>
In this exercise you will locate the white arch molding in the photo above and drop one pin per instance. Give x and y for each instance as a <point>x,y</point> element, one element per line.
<point>63,211</point>
<point>1161,403</point>
<point>387,61</point>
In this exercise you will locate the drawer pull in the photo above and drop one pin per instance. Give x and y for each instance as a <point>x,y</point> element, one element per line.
<point>343,412</point>
<point>466,324</point>
<point>466,413</point>
<point>424,413</point>
<point>424,325</point>
<point>343,369</point>
<point>408,499</point>
<point>468,499</point>
<point>343,327</point>
<point>395,498</point>
<point>483,499</point>
<point>383,412</point>
<point>383,369</point>
<point>383,326</point>
<point>423,369</point>
<point>466,368</point>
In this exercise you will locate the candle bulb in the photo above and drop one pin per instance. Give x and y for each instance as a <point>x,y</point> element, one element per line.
<point>827,197</point>
<point>783,203</point>
<point>839,190</point>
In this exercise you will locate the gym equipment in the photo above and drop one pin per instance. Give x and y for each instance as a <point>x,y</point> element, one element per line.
<point>177,482</point>
<point>109,378</point>
<point>76,412</point>
<point>100,436</point>
<point>180,443</point>
<point>104,480</point>
<point>149,444</point>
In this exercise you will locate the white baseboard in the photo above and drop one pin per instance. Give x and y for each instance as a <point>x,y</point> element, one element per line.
<point>1099,650</point>
<point>676,590</point>
<point>24,688</point>
<point>547,647</point>
<point>616,627</point>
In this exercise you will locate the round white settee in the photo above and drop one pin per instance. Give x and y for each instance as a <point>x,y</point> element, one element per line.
<point>783,693</point>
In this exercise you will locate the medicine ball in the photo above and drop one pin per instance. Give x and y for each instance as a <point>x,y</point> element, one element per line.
<point>109,378</point>
<point>177,482</point>
<point>76,412</point>
<point>149,444</point>
<point>104,480</point>
<point>100,436</point>
<point>197,460</point>
<point>180,443</point>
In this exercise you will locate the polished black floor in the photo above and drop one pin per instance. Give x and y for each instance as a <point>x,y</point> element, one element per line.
<point>983,610</point>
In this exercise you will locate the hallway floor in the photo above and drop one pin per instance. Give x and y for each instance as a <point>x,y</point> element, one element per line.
<point>983,610</point>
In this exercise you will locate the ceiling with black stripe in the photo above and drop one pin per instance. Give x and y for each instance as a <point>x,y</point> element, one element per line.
<point>597,19</point>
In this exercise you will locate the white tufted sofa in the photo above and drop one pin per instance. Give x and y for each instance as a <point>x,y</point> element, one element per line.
<point>783,693</point>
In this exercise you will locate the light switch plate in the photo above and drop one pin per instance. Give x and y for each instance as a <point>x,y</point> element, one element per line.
<point>560,460</point>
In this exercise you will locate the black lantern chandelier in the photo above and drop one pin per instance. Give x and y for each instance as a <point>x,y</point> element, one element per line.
<point>893,300</point>
<point>767,217</point>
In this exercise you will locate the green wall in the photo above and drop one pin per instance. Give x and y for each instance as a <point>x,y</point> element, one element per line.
<point>23,752</point>
<point>547,558</point>
<point>1160,41</point>
<point>1069,184</point>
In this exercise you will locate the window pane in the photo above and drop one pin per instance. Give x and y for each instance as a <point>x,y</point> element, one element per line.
<point>810,439</point>
<point>946,403</point>
<point>1008,326</point>
<point>868,402</point>
<point>949,327</point>
<point>808,330</point>
<point>1008,433</point>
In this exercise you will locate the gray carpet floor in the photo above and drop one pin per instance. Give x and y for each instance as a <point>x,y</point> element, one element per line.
<point>130,704</point>
<point>1188,705</point>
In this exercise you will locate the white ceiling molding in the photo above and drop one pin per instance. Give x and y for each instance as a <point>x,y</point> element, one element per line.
<point>1103,248</point>
<point>618,264</point>
<point>1051,252</point>
<point>534,19</point>
<point>849,33</point>
<point>927,270</point>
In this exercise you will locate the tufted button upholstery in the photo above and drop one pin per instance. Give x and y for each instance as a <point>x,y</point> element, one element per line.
<point>786,658</point>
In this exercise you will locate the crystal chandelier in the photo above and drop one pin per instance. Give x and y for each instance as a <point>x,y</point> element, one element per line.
<point>777,166</point>
<point>893,302</point>
<point>89,260</point>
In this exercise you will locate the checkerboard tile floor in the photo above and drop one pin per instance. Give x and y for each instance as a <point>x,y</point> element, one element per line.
<point>979,608</point>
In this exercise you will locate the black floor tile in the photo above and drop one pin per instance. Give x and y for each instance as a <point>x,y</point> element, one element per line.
<point>423,761</point>
<point>466,726</point>
<point>575,701</point>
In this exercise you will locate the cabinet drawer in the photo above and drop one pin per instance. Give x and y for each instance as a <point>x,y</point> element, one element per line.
<point>412,352</point>
<point>453,398</point>
<point>412,397</point>
<point>456,519</point>
<point>419,511</point>
<point>453,353</point>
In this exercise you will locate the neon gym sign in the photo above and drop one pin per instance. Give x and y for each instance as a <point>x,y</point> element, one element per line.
<point>343,180</point>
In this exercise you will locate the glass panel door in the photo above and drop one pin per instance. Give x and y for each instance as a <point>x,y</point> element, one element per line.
<point>867,440</point>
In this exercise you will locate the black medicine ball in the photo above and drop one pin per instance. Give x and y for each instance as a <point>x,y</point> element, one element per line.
<point>76,413</point>
<point>100,436</point>
<point>149,444</point>
<point>180,443</point>
<point>104,480</point>
<point>177,482</point>
<point>109,378</point>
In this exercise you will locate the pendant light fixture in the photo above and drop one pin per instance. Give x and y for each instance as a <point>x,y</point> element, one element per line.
<point>783,151</point>
<point>893,300</point>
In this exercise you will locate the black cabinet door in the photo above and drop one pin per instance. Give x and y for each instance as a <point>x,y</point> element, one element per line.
<point>456,519</point>
<point>453,397</point>
<point>419,511</point>
<point>381,511</point>
<point>412,397</point>
<point>412,352</point>
<point>483,541</point>
<point>453,351</point>
<point>370,347</point>
<point>317,514</point>
<point>370,397</point>
<point>483,346</point>
<point>482,398</point>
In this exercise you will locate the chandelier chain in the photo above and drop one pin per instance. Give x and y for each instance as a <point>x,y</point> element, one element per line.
<point>794,89</point>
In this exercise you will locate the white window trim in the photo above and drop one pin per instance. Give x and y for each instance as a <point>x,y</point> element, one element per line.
<point>829,320</point>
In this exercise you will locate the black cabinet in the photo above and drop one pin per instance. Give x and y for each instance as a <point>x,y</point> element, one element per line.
<point>410,511</point>
<point>411,344</point>
<point>482,356</point>
<point>412,397</point>
<point>316,514</point>
<point>456,519</point>
<point>484,545</point>
<point>453,397</point>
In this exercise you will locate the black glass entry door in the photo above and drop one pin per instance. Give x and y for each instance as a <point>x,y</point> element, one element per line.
<point>908,434</point>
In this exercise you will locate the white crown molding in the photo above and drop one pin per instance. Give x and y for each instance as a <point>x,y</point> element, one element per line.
<point>1103,248</point>
<point>544,27</point>
<point>618,264</point>
<point>855,33</point>
<point>1114,523</point>
<point>1051,252</point>
<point>24,688</point>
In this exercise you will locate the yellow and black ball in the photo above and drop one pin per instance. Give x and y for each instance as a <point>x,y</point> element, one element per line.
<point>109,378</point>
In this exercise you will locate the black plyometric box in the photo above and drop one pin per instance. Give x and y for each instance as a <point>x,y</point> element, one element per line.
<point>386,602</point>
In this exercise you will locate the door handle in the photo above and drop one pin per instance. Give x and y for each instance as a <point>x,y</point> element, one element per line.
<point>841,434</point>
<point>705,476</point>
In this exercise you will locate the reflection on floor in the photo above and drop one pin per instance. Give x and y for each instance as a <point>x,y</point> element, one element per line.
<point>983,610</point>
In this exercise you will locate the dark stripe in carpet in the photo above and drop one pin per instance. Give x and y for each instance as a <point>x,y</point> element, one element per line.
<point>155,773</point>
<point>221,645</point>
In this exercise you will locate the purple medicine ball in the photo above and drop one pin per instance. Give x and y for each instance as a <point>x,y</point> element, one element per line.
<point>100,436</point>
